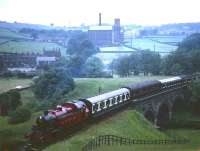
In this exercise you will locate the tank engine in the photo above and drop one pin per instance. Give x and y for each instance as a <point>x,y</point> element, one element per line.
<point>62,117</point>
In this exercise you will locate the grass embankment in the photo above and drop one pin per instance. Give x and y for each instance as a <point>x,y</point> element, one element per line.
<point>192,135</point>
<point>14,134</point>
<point>127,124</point>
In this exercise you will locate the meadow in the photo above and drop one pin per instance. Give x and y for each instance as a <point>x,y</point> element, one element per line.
<point>4,33</point>
<point>23,43</point>
<point>10,83</point>
<point>30,47</point>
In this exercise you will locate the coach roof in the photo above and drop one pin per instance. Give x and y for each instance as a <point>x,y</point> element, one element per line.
<point>143,84</point>
<point>108,95</point>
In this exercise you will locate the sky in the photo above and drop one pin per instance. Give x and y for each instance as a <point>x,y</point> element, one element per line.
<point>77,12</point>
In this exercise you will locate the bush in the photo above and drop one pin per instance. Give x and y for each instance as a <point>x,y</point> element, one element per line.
<point>53,83</point>
<point>21,115</point>
<point>15,99</point>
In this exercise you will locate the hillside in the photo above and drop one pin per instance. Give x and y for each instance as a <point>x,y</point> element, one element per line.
<point>16,25</point>
<point>11,41</point>
<point>127,124</point>
<point>8,34</point>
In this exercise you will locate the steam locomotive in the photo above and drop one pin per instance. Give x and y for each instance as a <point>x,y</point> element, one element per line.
<point>73,113</point>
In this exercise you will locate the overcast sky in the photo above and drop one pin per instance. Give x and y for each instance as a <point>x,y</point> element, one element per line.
<point>76,12</point>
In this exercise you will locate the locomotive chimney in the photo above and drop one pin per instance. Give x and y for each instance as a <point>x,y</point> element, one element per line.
<point>99,19</point>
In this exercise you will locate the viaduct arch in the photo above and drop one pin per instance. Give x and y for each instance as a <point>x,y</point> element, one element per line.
<point>160,108</point>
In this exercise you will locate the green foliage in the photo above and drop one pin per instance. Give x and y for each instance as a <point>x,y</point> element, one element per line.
<point>186,59</point>
<point>192,42</point>
<point>140,61</point>
<point>93,67</point>
<point>19,116</point>
<point>4,103</point>
<point>80,49</point>
<point>10,101</point>
<point>15,99</point>
<point>53,83</point>
<point>195,88</point>
<point>122,66</point>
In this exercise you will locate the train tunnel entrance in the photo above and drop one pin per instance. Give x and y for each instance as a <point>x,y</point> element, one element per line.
<point>163,116</point>
<point>149,116</point>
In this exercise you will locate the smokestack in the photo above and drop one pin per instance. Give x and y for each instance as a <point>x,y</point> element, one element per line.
<point>99,19</point>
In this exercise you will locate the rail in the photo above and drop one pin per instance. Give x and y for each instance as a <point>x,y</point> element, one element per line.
<point>112,140</point>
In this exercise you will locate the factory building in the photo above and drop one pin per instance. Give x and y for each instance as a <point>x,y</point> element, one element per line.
<point>102,35</point>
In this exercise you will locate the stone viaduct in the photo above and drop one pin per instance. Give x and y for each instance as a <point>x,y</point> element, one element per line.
<point>159,108</point>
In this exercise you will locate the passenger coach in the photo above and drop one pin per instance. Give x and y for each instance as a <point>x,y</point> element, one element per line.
<point>108,101</point>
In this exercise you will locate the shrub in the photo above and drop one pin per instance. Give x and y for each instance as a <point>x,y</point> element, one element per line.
<point>21,115</point>
<point>15,99</point>
<point>53,83</point>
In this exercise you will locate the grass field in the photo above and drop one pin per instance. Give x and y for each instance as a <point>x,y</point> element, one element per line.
<point>90,87</point>
<point>9,83</point>
<point>14,134</point>
<point>24,46</point>
<point>30,46</point>
<point>11,34</point>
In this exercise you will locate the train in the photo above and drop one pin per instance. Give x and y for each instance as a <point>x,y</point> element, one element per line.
<point>71,114</point>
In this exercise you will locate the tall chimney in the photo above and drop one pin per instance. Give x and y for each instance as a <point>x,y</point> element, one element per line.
<point>99,19</point>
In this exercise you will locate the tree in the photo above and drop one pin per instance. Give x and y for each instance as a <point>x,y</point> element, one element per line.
<point>140,61</point>
<point>186,59</point>
<point>150,62</point>
<point>9,101</point>
<point>15,99</point>
<point>135,62</point>
<point>93,67</point>
<point>4,104</point>
<point>80,49</point>
<point>195,89</point>
<point>21,114</point>
<point>53,83</point>
<point>122,66</point>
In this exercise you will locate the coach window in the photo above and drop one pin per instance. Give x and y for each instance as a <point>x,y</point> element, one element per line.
<point>102,105</point>
<point>108,102</point>
<point>113,100</point>
<point>118,99</point>
<point>127,96</point>
<point>123,97</point>
<point>95,107</point>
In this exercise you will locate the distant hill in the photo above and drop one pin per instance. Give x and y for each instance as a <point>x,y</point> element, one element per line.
<point>17,26</point>
<point>182,26</point>
<point>9,34</point>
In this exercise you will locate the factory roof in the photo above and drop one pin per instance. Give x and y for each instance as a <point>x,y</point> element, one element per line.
<point>100,28</point>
